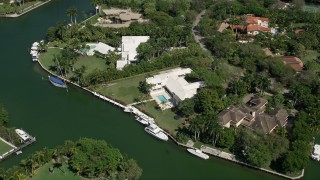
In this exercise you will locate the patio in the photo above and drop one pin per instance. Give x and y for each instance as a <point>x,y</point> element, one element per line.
<point>156,95</point>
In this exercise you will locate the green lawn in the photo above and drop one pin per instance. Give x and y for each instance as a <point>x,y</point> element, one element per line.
<point>43,173</point>
<point>124,90</point>
<point>165,119</point>
<point>90,62</point>
<point>309,56</point>
<point>311,8</point>
<point>4,147</point>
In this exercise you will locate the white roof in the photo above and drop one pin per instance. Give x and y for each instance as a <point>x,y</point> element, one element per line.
<point>129,46</point>
<point>121,64</point>
<point>174,81</point>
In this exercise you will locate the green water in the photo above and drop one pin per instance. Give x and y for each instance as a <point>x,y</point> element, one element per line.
<point>54,115</point>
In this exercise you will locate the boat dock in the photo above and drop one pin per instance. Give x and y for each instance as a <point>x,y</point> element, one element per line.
<point>17,150</point>
<point>208,150</point>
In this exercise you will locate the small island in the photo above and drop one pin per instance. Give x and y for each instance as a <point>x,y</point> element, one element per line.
<point>234,79</point>
<point>85,158</point>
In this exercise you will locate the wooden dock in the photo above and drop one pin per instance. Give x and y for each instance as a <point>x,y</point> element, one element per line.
<point>17,149</point>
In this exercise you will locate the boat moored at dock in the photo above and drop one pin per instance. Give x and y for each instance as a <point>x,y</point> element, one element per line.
<point>57,82</point>
<point>23,135</point>
<point>141,120</point>
<point>198,153</point>
<point>157,132</point>
<point>316,152</point>
<point>34,51</point>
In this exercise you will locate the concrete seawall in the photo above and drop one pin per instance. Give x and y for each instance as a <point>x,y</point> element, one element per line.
<point>205,149</point>
<point>26,10</point>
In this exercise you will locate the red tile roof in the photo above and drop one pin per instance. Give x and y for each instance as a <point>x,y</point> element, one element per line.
<point>294,62</point>
<point>256,27</point>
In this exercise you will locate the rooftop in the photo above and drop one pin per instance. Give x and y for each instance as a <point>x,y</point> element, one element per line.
<point>294,62</point>
<point>174,81</point>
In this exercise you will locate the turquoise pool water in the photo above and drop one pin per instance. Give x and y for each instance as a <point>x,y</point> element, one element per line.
<point>162,98</point>
<point>85,50</point>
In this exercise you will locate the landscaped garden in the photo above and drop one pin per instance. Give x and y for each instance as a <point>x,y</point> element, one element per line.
<point>62,173</point>
<point>4,147</point>
<point>17,8</point>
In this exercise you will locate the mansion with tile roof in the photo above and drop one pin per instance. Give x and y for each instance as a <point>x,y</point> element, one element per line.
<point>252,115</point>
<point>252,25</point>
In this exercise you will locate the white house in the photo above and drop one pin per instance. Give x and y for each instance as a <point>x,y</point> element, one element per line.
<point>173,82</point>
<point>129,49</point>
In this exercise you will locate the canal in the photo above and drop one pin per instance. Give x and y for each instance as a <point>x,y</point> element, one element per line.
<point>53,115</point>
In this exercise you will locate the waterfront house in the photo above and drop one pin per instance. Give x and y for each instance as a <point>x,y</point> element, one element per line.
<point>170,87</point>
<point>117,18</point>
<point>252,115</point>
<point>128,48</point>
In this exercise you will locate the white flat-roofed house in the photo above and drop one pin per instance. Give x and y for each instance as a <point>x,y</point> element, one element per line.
<point>129,49</point>
<point>173,82</point>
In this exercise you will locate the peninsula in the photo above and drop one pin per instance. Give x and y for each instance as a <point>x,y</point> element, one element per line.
<point>251,98</point>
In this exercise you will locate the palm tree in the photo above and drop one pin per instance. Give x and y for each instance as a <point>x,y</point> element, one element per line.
<point>79,73</point>
<point>24,164</point>
<point>96,4</point>
<point>21,176</point>
<point>72,12</point>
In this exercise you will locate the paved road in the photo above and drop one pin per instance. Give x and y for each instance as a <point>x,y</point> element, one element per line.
<point>196,33</point>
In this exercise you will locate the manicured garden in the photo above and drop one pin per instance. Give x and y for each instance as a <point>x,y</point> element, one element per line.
<point>90,62</point>
<point>62,173</point>
<point>11,9</point>
<point>4,147</point>
<point>165,119</point>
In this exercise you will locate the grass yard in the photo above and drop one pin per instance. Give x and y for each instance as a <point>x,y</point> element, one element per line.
<point>90,62</point>
<point>125,90</point>
<point>165,118</point>
<point>311,8</point>
<point>43,173</point>
<point>4,147</point>
<point>309,56</point>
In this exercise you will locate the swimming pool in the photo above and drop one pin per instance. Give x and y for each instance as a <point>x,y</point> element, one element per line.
<point>162,99</point>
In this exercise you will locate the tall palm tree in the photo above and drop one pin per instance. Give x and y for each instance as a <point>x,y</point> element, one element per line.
<point>72,12</point>
<point>97,5</point>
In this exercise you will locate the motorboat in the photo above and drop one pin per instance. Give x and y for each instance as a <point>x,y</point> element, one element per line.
<point>157,132</point>
<point>141,120</point>
<point>316,152</point>
<point>23,135</point>
<point>57,82</point>
<point>198,153</point>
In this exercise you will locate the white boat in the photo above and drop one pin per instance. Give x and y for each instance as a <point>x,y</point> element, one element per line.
<point>22,134</point>
<point>316,152</point>
<point>34,51</point>
<point>127,109</point>
<point>141,120</point>
<point>198,153</point>
<point>156,132</point>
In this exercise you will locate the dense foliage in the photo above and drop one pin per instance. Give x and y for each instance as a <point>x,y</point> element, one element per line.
<point>235,70</point>
<point>86,157</point>
<point>6,133</point>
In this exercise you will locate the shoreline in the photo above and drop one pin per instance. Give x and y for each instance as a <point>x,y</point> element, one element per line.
<point>219,154</point>
<point>15,15</point>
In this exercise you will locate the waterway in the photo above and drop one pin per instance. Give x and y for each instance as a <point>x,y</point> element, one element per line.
<point>54,115</point>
